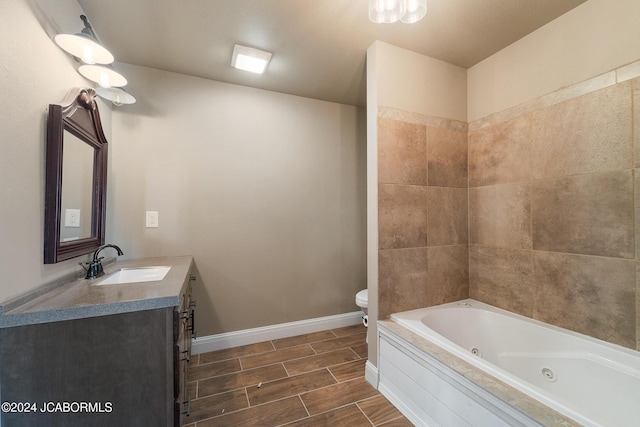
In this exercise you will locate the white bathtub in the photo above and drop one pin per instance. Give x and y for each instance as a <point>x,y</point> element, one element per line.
<point>590,381</point>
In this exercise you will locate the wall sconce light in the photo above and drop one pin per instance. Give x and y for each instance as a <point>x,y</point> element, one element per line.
<point>250,59</point>
<point>105,76</point>
<point>84,45</point>
<point>389,11</point>
<point>116,95</point>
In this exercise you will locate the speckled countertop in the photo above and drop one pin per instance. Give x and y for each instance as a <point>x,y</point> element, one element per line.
<point>80,298</point>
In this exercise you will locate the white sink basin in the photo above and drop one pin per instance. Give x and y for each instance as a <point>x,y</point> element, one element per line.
<point>133,275</point>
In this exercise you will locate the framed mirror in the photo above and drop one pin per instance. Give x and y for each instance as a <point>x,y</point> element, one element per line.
<point>76,178</point>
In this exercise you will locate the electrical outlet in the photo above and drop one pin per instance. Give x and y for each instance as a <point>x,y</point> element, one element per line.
<point>152,219</point>
<point>72,218</point>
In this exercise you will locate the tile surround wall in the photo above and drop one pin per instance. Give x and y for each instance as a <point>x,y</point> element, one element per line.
<point>547,225</point>
<point>552,215</point>
<point>422,211</point>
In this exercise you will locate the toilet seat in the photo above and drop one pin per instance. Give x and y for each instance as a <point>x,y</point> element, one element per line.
<point>362,298</point>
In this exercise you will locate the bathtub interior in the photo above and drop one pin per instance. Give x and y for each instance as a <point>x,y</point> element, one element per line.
<point>585,378</point>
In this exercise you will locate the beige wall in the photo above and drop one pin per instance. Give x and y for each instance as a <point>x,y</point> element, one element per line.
<point>595,37</point>
<point>419,84</point>
<point>265,190</point>
<point>34,73</point>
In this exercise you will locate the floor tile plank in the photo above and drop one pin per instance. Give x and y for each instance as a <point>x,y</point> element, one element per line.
<point>270,414</point>
<point>235,352</point>
<point>303,339</point>
<point>348,371</point>
<point>214,369</point>
<point>346,416</point>
<point>398,422</point>
<point>241,379</point>
<point>337,343</point>
<point>361,350</point>
<point>217,405</point>
<point>276,356</point>
<point>290,386</point>
<point>378,409</point>
<point>337,395</point>
<point>349,330</point>
<point>312,363</point>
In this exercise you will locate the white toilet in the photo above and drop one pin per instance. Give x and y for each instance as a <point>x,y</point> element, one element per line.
<point>362,301</point>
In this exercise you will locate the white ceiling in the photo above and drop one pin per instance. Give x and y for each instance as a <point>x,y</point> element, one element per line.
<point>319,46</point>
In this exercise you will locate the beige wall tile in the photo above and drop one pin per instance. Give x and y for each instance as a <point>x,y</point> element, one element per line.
<point>636,193</point>
<point>502,277</point>
<point>575,196</point>
<point>446,157</point>
<point>500,153</point>
<point>421,119</point>
<point>448,274</point>
<point>587,214</point>
<point>402,216</point>
<point>628,72</point>
<point>635,84</point>
<point>402,152</point>
<point>402,280</point>
<point>447,221</point>
<point>638,305</point>
<point>590,133</point>
<point>500,215</point>
<point>592,295</point>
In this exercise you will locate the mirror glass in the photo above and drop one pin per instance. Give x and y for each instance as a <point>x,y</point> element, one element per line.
<point>77,184</point>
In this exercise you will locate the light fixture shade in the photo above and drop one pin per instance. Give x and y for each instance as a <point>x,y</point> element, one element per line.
<point>104,76</point>
<point>250,59</point>
<point>84,47</point>
<point>386,11</point>
<point>389,11</point>
<point>415,11</point>
<point>116,95</point>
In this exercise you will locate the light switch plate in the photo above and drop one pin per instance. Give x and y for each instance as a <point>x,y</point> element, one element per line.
<point>152,219</point>
<point>72,218</point>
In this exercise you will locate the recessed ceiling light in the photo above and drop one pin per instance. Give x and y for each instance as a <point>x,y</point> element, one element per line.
<point>250,59</point>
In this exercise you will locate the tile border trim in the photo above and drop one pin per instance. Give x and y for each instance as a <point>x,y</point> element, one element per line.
<point>420,119</point>
<point>611,78</point>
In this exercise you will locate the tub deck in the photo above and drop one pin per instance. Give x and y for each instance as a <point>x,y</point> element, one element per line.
<point>533,409</point>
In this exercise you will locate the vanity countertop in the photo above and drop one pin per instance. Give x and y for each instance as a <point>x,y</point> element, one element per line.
<point>80,298</point>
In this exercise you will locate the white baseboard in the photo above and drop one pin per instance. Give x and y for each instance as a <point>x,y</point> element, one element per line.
<point>267,333</point>
<point>371,374</point>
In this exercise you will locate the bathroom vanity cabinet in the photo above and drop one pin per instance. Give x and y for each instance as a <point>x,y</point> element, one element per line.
<point>120,369</point>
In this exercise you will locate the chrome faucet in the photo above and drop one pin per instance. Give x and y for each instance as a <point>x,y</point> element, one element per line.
<point>95,267</point>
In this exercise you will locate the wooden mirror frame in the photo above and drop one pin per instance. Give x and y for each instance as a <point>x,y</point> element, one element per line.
<point>78,114</point>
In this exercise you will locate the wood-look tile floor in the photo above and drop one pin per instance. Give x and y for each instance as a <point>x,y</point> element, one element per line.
<point>315,379</point>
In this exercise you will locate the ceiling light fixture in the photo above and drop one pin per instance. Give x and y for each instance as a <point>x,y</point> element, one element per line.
<point>250,59</point>
<point>84,45</point>
<point>116,95</point>
<point>389,11</point>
